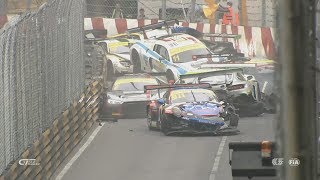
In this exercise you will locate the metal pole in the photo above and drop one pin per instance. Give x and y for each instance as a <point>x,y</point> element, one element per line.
<point>298,93</point>
<point>192,10</point>
<point>164,9</point>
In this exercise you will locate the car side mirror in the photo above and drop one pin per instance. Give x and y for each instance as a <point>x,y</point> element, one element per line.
<point>161,101</point>
<point>249,78</point>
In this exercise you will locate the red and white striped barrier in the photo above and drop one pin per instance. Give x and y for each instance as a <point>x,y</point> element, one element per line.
<point>256,42</point>
<point>3,21</point>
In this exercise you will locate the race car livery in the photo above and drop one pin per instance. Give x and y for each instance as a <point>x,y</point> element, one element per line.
<point>171,54</point>
<point>117,55</point>
<point>190,109</point>
<point>126,97</point>
<point>232,86</point>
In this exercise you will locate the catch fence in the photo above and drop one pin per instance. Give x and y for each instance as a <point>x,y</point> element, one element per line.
<point>42,65</point>
<point>251,12</point>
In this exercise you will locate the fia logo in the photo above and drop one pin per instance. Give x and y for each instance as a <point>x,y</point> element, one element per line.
<point>277,161</point>
<point>294,162</point>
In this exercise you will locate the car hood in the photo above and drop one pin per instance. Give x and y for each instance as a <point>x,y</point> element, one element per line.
<point>125,56</point>
<point>207,109</point>
<point>128,96</point>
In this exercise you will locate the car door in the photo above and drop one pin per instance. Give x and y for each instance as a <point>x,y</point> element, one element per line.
<point>158,64</point>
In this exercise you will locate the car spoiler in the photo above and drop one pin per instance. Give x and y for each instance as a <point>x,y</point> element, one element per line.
<point>166,24</point>
<point>231,56</point>
<point>147,74</point>
<point>186,86</point>
<point>202,75</point>
<point>228,65</point>
<point>222,35</point>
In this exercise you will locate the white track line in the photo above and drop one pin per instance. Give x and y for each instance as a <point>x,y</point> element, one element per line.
<point>217,159</point>
<point>264,86</point>
<point>78,154</point>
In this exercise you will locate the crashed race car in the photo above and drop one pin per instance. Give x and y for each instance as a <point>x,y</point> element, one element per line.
<point>232,86</point>
<point>126,97</point>
<point>174,53</point>
<point>192,109</point>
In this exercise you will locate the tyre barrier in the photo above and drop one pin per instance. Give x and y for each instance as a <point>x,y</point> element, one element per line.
<point>58,141</point>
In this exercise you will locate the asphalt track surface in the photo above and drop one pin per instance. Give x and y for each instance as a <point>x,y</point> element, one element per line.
<point>127,150</point>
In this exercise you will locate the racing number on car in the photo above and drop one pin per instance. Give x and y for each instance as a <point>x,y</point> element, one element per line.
<point>175,58</point>
<point>177,96</point>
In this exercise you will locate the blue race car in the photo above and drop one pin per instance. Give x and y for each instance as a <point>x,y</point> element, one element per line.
<point>190,108</point>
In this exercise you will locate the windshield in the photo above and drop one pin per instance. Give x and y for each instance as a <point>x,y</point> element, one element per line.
<point>136,84</point>
<point>192,95</point>
<point>186,56</point>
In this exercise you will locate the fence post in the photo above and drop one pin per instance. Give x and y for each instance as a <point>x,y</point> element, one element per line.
<point>164,9</point>
<point>192,10</point>
<point>263,13</point>
<point>244,15</point>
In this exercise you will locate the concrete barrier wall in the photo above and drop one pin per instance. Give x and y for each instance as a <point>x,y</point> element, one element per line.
<point>60,139</point>
<point>256,42</point>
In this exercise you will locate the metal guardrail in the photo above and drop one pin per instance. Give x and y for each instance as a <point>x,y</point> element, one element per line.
<point>58,141</point>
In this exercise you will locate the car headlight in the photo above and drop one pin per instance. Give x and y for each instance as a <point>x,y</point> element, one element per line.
<point>112,101</point>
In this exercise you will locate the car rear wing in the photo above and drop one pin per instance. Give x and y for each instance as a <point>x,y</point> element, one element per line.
<point>231,56</point>
<point>202,75</point>
<point>159,25</point>
<point>222,35</point>
<point>167,86</point>
<point>228,65</point>
<point>147,74</point>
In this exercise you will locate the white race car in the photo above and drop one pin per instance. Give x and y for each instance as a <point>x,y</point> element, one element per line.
<point>117,55</point>
<point>173,54</point>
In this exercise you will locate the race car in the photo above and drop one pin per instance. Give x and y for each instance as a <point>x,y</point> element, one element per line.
<point>173,53</point>
<point>117,54</point>
<point>190,108</point>
<point>126,97</point>
<point>232,86</point>
<point>216,43</point>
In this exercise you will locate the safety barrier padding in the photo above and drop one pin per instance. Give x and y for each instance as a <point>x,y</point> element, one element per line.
<point>259,42</point>
<point>59,140</point>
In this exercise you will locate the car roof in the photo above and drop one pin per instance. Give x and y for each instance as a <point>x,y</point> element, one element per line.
<point>178,40</point>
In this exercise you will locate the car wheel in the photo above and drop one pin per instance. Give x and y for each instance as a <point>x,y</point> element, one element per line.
<point>234,119</point>
<point>170,76</point>
<point>136,62</point>
<point>164,127</point>
<point>149,120</point>
<point>110,71</point>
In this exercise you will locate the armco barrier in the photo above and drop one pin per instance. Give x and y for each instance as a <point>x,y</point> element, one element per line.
<point>254,42</point>
<point>59,140</point>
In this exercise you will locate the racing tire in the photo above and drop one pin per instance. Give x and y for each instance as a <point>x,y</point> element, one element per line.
<point>110,71</point>
<point>234,120</point>
<point>170,76</point>
<point>136,62</point>
<point>149,121</point>
<point>164,127</point>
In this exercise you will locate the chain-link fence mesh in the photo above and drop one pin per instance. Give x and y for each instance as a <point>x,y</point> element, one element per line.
<point>251,12</point>
<point>42,65</point>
